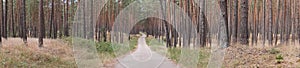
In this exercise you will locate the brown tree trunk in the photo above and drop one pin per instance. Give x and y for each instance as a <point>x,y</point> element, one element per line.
<point>202,28</point>
<point>163,5</point>
<point>270,34</point>
<point>235,22</point>
<point>12,19</point>
<point>23,21</point>
<point>277,21</point>
<point>42,24</point>
<point>264,22</point>
<point>254,36</point>
<point>66,29</point>
<point>91,29</point>
<point>52,19</point>
<point>1,21</point>
<point>224,37</point>
<point>244,23</point>
<point>5,20</point>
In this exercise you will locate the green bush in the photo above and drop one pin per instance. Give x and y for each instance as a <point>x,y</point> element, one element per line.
<point>279,58</point>
<point>104,47</point>
<point>174,53</point>
<point>274,51</point>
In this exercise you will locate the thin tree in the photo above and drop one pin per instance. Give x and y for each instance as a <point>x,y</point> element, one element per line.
<point>163,5</point>
<point>51,19</point>
<point>66,29</point>
<point>235,21</point>
<point>264,22</point>
<point>5,20</point>
<point>202,23</point>
<point>12,19</point>
<point>277,21</point>
<point>84,20</point>
<point>244,23</point>
<point>42,24</point>
<point>23,28</point>
<point>91,29</point>
<point>270,34</point>
<point>1,21</point>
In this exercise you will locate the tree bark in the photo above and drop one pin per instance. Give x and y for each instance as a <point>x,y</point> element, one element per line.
<point>235,22</point>
<point>23,21</point>
<point>12,19</point>
<point>277,21</point>
<point>5,20</point>
<point>202,24</point>
<point>42,24</point>
<point>244,23</point>
<point>66,26</point>
<point>224,37</point>
<point>52,19</point>
<point>163,7</point>
<point>264,22</point>
<point>270,34</point>
<point>1,21</point>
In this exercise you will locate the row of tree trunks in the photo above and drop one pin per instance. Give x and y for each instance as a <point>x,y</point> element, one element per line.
<point>14,17</point>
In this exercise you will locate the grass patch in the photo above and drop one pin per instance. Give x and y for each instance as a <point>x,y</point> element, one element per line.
<point>175,53</point>
<point>107,51</point>
<point>21,57</point>
<point>274,51</point>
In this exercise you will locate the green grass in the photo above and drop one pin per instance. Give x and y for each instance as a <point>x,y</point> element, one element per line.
<point>104,47</point>
<point>175,53</point>
<point>20,57</point>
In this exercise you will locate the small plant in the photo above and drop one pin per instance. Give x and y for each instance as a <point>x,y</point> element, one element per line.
<point>279,58</point>
<point>274,51</point>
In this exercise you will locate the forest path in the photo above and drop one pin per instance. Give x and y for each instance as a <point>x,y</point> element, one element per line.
<point>144,57</point>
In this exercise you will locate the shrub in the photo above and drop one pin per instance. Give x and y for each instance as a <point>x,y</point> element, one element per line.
<point>279,58</point>
<point>274,51</point>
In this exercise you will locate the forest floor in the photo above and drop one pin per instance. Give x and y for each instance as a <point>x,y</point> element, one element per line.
<point>55,53</point>
<point>58,53</point>
<point>280,56</point>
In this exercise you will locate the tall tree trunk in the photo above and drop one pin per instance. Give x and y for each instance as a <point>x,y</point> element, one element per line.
<point>84,19</point>
<point>91,25</point>
<point>264,22</point>
<point>163,6</point>
<point>235,22</point>
<point>42,24</point>
<point>1,21</point>
<point>244,23</point>
<point>254,36</point>
<point>174,32</point>
<point>270,34</point>
<point>23,21</point>
<point>52,19</point>
<point>298,18</point>
<point>66,29</point>
<point>277,21</point>
<point>288,21</point>
<point>12,19</point>
<point>202,23</point>
<point>224,37</point>
<point>5,20</point>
